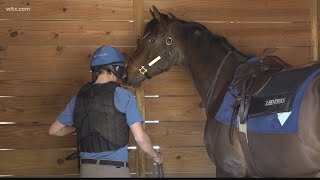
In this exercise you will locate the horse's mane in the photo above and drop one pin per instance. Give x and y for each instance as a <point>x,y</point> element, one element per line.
<point>210,36</point>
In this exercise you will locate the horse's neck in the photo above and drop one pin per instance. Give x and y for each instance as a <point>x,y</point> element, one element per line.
<point>203,65</point>
<point>203,76</point>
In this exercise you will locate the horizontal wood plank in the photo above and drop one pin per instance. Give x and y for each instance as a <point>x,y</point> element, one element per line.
<point>233,10</point>
<point>37,162</point>
<point>32,110</point>
<point>176,134</point>
<point>263,34</point>
<point>42,84</point>
<point>37,137</point>
<point>35,109</point>
<point>80,62</point>
<point>295,56</point>
<point>33,137</point>
<point>49,58</point>
<point>68,10</point>
<point>175,109</point>
<point>46,51</point>
<point>174,82</point>
<point>184,159</point>
<point>66,33</point>
<point>43,162</point>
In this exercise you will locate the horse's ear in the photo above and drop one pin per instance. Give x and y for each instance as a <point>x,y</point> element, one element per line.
<point>156,13</point>
<point>151,12</point>
<point>171,16</point>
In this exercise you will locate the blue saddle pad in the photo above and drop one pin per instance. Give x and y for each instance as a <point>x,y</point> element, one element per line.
<point>271,123</point>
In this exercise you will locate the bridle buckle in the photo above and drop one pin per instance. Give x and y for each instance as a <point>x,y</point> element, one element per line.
<point>168,41</point>
<point>143,70</point>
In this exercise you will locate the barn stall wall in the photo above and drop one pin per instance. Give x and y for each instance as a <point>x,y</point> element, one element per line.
<point>44,58</point>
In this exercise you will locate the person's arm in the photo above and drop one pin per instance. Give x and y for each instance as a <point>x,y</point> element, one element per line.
<point>144,141</point>
<point>126,103</point>
<point>58,129</point>
<point>64,122</point>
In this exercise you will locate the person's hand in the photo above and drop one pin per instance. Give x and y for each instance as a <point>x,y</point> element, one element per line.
<point>158,159</point>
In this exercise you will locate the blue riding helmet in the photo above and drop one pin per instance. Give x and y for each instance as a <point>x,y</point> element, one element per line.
<point>107,57</point>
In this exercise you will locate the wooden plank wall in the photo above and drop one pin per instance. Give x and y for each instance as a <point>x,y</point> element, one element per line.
<point>44,58</point>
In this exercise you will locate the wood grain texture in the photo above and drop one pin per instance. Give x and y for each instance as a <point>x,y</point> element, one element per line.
<point>47,51</point>
<point>49,58</point>
<point>314,29</point>
<point>32,110</point>
<point>184,159</point>
<point>68,10</point>
<point>175,82</point>
<point>32,137</point>
<point>263,34</point>
<point>233,10</point>
<point>296,56</point>
<point>43,162</point>
<point>175,109</point>
<point>37,137</point>
<point>66,33</point>
<point>176,134</point>
<point>42,84</point>
<point>37,162</point>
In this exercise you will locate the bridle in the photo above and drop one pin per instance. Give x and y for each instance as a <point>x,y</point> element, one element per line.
<point>143,69</point>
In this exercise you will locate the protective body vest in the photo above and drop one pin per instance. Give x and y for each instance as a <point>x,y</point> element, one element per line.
<point>99,125</point>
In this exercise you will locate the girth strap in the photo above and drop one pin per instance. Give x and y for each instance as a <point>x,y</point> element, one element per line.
<point>247,154</point>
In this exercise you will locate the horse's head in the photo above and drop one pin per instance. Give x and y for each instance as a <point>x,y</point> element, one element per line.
<point>157,51</point>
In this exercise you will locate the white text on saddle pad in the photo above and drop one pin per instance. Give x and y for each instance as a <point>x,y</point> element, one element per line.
<point>275,101</point>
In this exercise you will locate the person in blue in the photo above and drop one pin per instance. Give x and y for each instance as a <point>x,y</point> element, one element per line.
<point>102,113</point>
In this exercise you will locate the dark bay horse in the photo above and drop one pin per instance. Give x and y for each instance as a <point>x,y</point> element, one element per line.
<point>213,64</point>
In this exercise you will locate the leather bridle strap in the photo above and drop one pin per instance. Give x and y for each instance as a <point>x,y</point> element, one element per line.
<point>142,69</point>
<point>214,82</point>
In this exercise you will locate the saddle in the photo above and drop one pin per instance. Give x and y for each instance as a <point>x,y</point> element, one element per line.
<point>268,86</point>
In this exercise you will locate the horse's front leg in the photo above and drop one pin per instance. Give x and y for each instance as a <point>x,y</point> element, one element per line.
<point>228,158</point>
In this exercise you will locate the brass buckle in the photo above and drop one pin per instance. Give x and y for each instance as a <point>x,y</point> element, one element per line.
<point>168,41</point>
<point>143,70</point>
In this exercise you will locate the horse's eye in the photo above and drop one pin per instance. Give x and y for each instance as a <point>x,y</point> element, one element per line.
<point>150,40</point>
